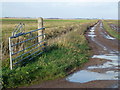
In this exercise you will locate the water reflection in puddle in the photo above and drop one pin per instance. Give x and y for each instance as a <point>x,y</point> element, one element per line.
<point>87,75</point>
<point>105,65</point>
<point>109,37</point>
<point>92,33</point>
<point>84,76</point>
<point>107,56</point>
<point>113,63</point>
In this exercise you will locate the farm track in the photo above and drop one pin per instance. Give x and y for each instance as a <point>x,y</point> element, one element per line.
<point>102,44</point>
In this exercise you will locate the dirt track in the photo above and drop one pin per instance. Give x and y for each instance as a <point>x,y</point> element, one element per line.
<point>102,44</point>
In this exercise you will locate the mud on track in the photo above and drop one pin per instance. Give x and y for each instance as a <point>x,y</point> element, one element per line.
<point>105,47</point>
<point>102,69</point>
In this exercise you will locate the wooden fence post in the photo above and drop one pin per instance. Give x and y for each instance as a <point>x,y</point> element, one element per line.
<point>40,32</point>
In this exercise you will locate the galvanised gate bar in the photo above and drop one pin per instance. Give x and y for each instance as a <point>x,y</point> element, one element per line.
<point>25,46</point>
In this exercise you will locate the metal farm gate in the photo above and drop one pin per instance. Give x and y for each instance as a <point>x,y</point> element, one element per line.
<point>24,46</point>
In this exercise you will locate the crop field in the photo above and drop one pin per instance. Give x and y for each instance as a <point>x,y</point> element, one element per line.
<point>67,49</point>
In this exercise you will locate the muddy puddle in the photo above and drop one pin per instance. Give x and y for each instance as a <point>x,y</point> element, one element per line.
<point>111,63</point>
<point>92,32</point>
<point>87,75</point>
<point>84,76</point>
<point>109,37</point>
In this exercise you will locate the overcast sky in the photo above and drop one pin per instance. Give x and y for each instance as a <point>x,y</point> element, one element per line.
<point>61,9</point>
